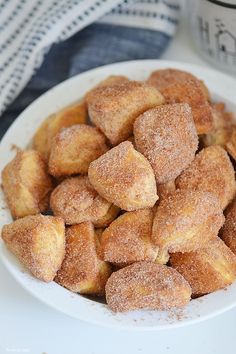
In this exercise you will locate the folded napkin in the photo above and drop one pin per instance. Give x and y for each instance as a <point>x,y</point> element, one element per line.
<point>72,36</point>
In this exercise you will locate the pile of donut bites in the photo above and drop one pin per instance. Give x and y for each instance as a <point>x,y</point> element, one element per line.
<point>139,206</point>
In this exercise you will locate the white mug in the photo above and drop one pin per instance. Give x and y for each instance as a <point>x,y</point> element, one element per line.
<point>213,26</point>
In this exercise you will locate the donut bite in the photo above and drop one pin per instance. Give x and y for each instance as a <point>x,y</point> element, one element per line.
<point>75,201</point>
<point>146,285</point>
<point>181,87</point>
<point>185,221</point>
<point>111,80</point>
<point>223,122</point>
<point>124,177</point>
<point>128,238</point>
<point>208,269</point>
<point>166,77</point>
<point>26,184</point>
<point>74,148</point>
<point>113,109</point>
<point>38,242</point>
<point>211,171</point>
<point>68,116</point>
<point>167,137</point>
<point>82,269</point>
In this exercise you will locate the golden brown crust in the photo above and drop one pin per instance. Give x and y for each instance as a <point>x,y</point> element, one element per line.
<point>146,285</point>
<point>38,242</point>
<point>124,177</point>
<point>82,270</point>
<point>186,220</point>
<point>207,269</point>
<point>228,232</point>
<point>166,77</point>
<point>68,116</point>
<point>109,81</point>
<point>113,109</point>
<point>76,201</point>
<point>211,171</point>
<point>128,238</point>
<point>167,137</point>
<point>184,88</point>
<point>74,148</point>
<point>26,184</point>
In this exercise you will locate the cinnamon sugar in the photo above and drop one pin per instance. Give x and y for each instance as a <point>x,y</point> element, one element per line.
<point>76,201</point>
<point>210,171</point>
<point>146,285</point>
<point>186,220</point>
<point>166,135</point>
<point>124,177</point>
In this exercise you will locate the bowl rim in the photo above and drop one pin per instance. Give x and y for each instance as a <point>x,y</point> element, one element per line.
<point>54,295</point>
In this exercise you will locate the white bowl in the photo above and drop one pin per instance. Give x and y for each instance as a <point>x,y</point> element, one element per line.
<point>20,133</point>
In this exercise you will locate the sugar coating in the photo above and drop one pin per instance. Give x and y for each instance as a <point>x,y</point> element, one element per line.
<point>183,87</point>
<point>146,285</point>
<point>208,269</point>
<point>124,177</point>
<point>73,149</point>
<point>109,81</point>
<point>113,109</point>
<point>66,117</point>
<point>27,184</point>
<point>82,270</point>
<point>75,200</point>
<point>166,77</point>
<point>38,241</point>
<point>128,238</point>
<point>211,171</point>
<point>167,137</point>
<point>186,220</point>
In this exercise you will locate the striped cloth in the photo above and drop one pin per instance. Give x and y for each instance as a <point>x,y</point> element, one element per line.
<point>28,29</point>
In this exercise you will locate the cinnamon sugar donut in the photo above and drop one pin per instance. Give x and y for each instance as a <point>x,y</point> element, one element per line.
<point>74,148</point>
<point>185,221</point>
<point>27,184</point>
<point>82,270</point>
<point>113,109</point>
<point>38,242</point>
<point>76,201</point>
<point>146,285</point>
<point>211,171</point>
<point>109,81</point>
<point>223,125</point>
<point>128,238</point>
<point>208,269</point>
<point>166,77</point>
<point>181,87</point>
<point>66,117</point>
<point>167,137</point>
<point>124,177</point>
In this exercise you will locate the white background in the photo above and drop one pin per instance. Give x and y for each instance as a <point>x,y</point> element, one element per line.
<point>27,326</point>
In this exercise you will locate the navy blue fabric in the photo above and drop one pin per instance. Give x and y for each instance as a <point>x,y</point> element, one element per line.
<point>96,45</point>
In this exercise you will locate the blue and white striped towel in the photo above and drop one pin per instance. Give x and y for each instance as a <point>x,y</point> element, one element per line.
<point>28,29</point>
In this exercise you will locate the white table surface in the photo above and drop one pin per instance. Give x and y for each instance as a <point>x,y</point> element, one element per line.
<point>28,326</point>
